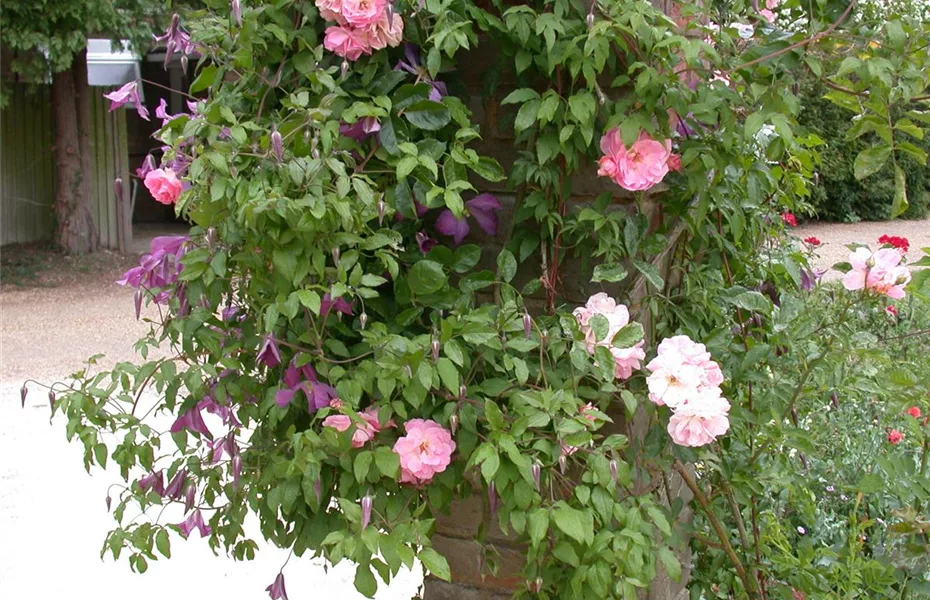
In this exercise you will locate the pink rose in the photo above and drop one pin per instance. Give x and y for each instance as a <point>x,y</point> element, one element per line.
<point>681,371</point>
<point>364,432</point>
<point>386,32</point>
<point>627,359</point>
<point>880,272</point>
<point>346,42</point>
<point>674,162</point>
<point>362,13</point>
<point>767,15</point>
<point>607,167</point>
<point>331,10</point>
<point>639,167</point>
<point>701,421</point>
<point>425,451</point>
<point>164,185</point>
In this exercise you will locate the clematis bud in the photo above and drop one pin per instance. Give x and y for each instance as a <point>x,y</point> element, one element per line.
<point>803,459</point>
<point>563,464</point>
<point>318,489</point>
<point>381,208</point>
<point>345,68</point>
<point>363,320</point>
<point>210,236</point>
<point>453,423</point>
<point>184,61</point>
<point>137,300</point>
<point>544,337</point>
<point>835,399</point>
<point>236,469</point>
<point>277,145</point>
<point>118,188</point>
<point>527,325</point>
<point>189,497</point>
<point>493,501</point>
<point>237,12</point>
<point>434,345</point>
<point>109,501</point>
<point>51,399</point>
<point>276,590</point>
<point>366,510</point>
<point>336,254</point>
<point>315,154</point>
<point>794,416</point>
<point>613,469</point>
<point>537,471</point>
<point>590,20</point>
<point>408,371</point>
<point>23,392</point>
<point>462,391</point>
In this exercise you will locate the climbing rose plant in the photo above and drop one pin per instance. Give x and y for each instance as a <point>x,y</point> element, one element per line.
<point>371,318</point>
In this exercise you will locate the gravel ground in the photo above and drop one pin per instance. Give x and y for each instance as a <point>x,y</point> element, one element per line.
<point>53,518</point>
<point>835,236</point>
<point>46,332</point>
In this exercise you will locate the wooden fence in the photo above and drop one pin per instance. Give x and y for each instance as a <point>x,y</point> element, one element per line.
<point>27,167</point>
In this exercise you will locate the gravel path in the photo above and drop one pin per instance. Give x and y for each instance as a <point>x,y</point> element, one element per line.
<point>835,236</point>
<point>53,518</point>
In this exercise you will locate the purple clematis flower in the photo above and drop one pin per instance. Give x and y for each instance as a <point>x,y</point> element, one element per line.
<point>221,410</point>
<point>161,111</point>
<point>328,304</point>
<point>276,590</point>
<point>192,421</point>
<point>175,39</point>
<point>194,521</point>
<point>159,268</point>
<point>154,481</point>
<point>128,93</point>
<point>413,66</point>
<point>484,210</point>
<point>419,208</point>
<point>177,484</point>
<point>269,355</point>
<point>148,165</point>
<point>424,242</point>
<point>810,278</point>
<point>304,379</point>
<point>361,129</point>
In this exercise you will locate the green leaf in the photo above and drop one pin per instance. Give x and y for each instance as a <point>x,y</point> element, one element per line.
<point>489,169</point>
<point>361,465</point>
<point>465,258</point>
<point>526,116</point>
<point>493,414</point>
<point>448,374</point>
<point>365,582</point>
<point>406,165</point>
<point>570,521</point>
<point>310,300</point>
<point>670,563</point>
<point>600,326</point>
<point>436,563</point>
<point>520,96</point>
<point>506,265</point>
<point>428,115</point>
<point>611,273</point>
<point>426,277</point>
<point>490,465</point>
<point>658,517</point>
<point>900,193</point>
<point>751,301</point>
<point>387,461</point>
<point>870,483</point>
<point>629,336</point>
<point>206,79</point>
<point>870,161</point>
<point>162,543</point>
<point>566,553</point>
<point>100,454</point>
<point>651,273</point>
<point>538,525</point>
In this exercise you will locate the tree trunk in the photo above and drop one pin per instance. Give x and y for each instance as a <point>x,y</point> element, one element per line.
<point>75,232</point>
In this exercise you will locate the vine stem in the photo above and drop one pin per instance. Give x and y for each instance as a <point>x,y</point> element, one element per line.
<point>718,528</point>
<point>801,44</point>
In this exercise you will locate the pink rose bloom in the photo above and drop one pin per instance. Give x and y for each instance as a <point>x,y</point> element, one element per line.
<point>674,162</point>
<point>164,185</point>
<point>362,13</point>
<point>767,15</point>
<point>386,32</point>
<point>639,167</point>
<point>701,421</point>
<point>346,42</point>
<point>618,317</point>
<point>425,451</point>
<point>681,371</point>
<point>331,10</point>
<point>607,167</point>
<point>895,437</point>
<point>880,272</point>
<point>363,433</point>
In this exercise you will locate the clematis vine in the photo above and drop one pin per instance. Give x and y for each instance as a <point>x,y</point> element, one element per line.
<point>159,268</point>
<point>361,129</point>
<point>340,305</point>
<point>194,521</point>
<point>412,65</point>
<point>483,208</point>
<point>304,379</point>
<point>175,39</point>
<point>276,590</point>
<point>128,93</point>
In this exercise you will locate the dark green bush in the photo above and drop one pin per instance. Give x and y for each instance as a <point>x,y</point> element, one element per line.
<point>838,196</point>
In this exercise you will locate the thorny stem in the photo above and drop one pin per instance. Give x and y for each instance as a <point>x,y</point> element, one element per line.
<point>748,582</point>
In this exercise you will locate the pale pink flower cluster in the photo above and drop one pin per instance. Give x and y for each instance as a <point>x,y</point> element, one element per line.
<point>361,26</point>
<point>639,167</point>
<point>879,272</point>
<point>767,12</point>
<point>618,317</point>
<point>425,451</point>
<point>365,431</point>
<point>685,379</point>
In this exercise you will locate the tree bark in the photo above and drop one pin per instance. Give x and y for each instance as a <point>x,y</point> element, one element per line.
<point>75,231</point>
